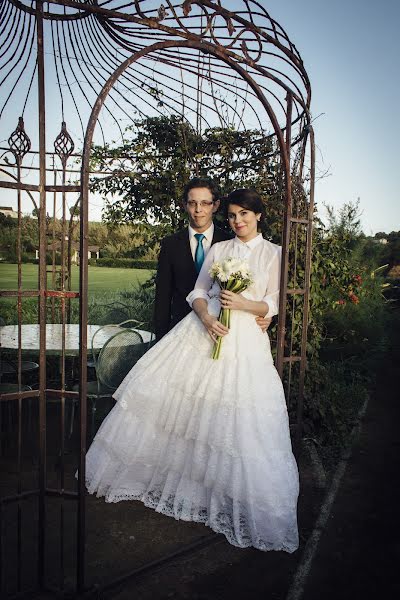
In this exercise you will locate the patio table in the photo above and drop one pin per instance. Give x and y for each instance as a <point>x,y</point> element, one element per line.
<point>30,337</point>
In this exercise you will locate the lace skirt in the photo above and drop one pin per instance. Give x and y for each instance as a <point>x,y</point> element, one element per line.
<point>204,440</point>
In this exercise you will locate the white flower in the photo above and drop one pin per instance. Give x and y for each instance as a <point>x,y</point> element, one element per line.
<point>231,268</point>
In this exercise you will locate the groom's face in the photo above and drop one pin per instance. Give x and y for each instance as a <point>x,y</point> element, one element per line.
<point>201,208</point>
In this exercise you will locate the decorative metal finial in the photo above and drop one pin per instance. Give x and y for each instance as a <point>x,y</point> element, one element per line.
<point>63,144</point>
<point>19,141</point>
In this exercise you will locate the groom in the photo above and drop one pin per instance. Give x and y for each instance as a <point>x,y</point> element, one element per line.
<point>182,255</point>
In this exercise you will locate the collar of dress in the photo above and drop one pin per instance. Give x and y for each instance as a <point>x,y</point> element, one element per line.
<point>251,243</point>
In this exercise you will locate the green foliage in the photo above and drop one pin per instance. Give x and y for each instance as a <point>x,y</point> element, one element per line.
<point>334,393</point>
<point>391,250</point>
<point>133,240</point>
<point>98,234</point>
<point>348,323</point>
<point>148,173</point>
<point>7,222</point>
<point>343,285</point>
<point>126,263</point>
<point>344,224</point>
<point>9,311</point>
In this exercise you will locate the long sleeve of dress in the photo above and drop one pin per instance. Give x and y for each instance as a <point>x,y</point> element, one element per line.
<point>274,275</point>
<point>204,281</point>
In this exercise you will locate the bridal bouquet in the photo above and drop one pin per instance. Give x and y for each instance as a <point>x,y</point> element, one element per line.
<point>232,274</point>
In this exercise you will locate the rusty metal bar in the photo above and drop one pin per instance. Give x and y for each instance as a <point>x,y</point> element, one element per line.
<point>57,493</point>
<point>42,287</point>
<point>17,395</point>
<point>36,188</point>
<point>36,394</point>
<point>302,221</point>
<point>22,293</point>
<point>53,266</point>
<point>307,285</point>
<point>63,365</point>
<point>60,188</point>
<point>37,293</point>
<point>61,294</point>
<point>286,240</point>
<point>67,393</point>
<point>47,153</point>
<point>198,545</point>
<point>290,359</point>
<point>83,308</point>
<point>22,496</point>
<point>19,284</point>
<point>19,186</point>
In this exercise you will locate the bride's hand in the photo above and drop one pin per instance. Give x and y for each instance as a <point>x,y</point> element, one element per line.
<point>213,326</point>
<point>232,300</point>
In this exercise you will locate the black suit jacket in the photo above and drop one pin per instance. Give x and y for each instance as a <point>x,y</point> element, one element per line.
<point>176,276</point>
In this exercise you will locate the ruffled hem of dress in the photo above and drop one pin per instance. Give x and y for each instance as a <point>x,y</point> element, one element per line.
<point>199,517</point>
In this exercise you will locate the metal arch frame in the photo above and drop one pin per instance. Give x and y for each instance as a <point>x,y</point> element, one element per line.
<point>48,15</point>
<point>284,146</point>
<point>285,142</point>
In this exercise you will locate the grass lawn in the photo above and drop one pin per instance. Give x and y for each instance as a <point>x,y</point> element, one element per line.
<point>101,279</point>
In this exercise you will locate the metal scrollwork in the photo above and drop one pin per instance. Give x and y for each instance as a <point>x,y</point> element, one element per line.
<point>19,141</point>
<point>64,144</point>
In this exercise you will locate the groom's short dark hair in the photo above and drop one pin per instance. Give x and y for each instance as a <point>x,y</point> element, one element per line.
<point>201,182</point>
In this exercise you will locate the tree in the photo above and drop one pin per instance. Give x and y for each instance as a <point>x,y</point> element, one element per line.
<point>147,174</point>
<point>7,221</point>
<point>345,223</point>
<point>98,234</point>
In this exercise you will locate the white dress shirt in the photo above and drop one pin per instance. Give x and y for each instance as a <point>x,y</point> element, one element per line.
<point>208,236</point>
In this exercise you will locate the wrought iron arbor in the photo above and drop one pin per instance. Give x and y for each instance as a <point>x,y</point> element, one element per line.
<point>94,67</point>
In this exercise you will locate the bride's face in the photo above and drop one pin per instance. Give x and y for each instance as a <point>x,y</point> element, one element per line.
<point>243,222</point>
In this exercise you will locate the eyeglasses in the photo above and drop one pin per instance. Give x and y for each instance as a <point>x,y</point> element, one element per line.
<point>202,204</point>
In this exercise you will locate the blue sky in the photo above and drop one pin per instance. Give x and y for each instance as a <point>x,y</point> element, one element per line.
<point>351,51</point>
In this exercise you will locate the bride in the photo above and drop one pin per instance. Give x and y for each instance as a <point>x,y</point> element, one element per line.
<point>208,440</point>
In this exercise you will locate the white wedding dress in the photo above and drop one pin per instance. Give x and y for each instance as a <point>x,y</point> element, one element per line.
<point>207,440</point>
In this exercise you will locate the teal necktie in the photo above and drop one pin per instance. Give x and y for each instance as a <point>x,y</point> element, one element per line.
<point>199,255</point>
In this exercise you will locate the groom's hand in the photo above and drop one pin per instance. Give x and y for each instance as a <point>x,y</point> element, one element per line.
<point>263,323</point>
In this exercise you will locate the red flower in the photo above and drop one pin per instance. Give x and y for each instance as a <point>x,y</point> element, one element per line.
<point>354,299</point>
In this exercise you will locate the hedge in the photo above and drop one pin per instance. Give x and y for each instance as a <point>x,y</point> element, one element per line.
<point>126,263</point>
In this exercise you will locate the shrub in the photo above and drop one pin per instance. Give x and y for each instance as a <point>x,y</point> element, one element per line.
<point>357,329</point>
<point>126,263</point>
<point>334,395</point>
<point>29,258</point>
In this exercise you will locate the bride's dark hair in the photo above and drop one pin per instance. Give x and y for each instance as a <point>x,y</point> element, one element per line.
<point>246,198</point>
